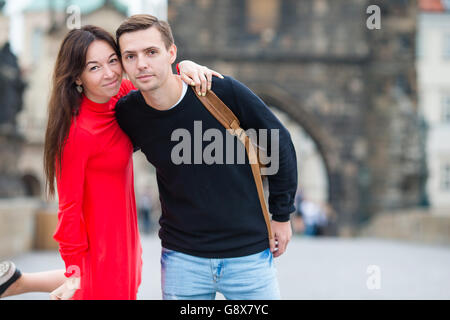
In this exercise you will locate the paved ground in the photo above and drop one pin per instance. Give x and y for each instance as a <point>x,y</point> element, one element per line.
<point>320,268</point>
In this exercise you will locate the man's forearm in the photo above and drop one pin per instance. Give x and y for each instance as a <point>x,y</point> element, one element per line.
<point>283,184</point>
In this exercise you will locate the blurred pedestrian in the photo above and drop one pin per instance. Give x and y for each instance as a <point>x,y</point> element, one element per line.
<point>145,205</point>
<point>314,217</point>
<point>298,225</point>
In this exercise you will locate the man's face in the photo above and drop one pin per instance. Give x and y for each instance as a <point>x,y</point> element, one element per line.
<point>146,59</point>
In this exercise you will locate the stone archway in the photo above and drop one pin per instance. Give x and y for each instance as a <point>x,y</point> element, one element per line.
<point>325,144</point>
<point>342,90</point>
<point>313,181</point>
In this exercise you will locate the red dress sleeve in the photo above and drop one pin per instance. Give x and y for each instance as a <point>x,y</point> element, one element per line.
<point>71,231</point>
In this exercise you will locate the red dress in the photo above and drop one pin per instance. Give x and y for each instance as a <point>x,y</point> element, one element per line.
<point>97,227</point>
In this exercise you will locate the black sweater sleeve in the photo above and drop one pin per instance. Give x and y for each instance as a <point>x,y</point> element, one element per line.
<point>122,117</point>
<point>254,114</point>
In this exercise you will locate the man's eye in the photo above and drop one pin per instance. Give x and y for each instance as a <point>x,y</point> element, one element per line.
<point>129,57</point>
<point>151,52</point>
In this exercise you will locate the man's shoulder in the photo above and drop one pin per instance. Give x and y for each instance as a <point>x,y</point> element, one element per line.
<point>228,86</point>
<point>80,132</point>
<point>230,90</point>
<point>224,88</point>
<point>219,84</point>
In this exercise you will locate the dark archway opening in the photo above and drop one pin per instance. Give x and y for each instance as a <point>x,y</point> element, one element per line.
<point>32,185</point>
<point>315,215</point>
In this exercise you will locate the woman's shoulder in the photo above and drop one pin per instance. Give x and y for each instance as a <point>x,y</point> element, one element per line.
<point>79,141</point>
<point>80,131</point>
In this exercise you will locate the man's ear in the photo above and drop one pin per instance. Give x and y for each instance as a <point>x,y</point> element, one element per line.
<point>173,53</point>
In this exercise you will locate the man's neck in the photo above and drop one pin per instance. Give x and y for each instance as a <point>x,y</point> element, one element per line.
<point>165,96</point>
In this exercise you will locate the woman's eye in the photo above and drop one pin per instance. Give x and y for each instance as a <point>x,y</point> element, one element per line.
<point>113,60</point>
<point>94,68</point>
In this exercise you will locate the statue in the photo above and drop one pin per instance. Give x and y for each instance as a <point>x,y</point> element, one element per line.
<point>11,142</point>
<point>11,90</point>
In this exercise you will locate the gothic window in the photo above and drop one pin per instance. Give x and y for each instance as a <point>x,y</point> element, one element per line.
<point>446,108</point>
<point>36,45</point>
<point>445,176</point>
<point>446,46</point>
<point>420,44</point>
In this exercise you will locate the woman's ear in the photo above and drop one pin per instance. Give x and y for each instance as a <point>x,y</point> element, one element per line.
<point>78,82</point>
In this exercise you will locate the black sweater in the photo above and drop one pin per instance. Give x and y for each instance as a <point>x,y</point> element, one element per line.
<point>210,210</point>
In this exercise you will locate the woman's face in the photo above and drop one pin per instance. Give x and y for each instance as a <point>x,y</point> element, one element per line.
<point>102,73</point>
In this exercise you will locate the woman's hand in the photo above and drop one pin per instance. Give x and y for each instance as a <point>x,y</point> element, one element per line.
<point>197,75</point>
<point>66,290</point>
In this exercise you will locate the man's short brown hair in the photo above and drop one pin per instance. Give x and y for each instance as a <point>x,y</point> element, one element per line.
<point>144,21</point>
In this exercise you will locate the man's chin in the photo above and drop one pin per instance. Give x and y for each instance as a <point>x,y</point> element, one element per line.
<point>146,87</point>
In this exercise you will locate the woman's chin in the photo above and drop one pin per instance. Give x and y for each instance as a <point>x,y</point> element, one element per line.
<point>113,91</point>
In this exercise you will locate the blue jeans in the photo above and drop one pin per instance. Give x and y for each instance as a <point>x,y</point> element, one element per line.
<point>187,277</point>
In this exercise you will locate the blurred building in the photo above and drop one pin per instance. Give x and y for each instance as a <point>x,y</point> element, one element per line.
<point>352,89</point>
<point>27,223</point>
<point>44,27</point>
<point>433,70</point>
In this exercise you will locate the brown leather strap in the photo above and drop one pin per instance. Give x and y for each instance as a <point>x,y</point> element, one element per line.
<point>227,118</point>
<point>219,110</point>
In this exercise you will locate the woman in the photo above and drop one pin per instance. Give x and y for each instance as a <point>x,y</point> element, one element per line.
<point>90,158</point>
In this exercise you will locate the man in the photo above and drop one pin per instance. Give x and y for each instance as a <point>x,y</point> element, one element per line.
<point>214,238</point>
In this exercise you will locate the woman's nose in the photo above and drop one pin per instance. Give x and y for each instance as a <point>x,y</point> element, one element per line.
<point>109,73</point>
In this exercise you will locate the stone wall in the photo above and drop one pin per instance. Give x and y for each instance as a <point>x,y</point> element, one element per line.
<point>17,225</point>
<point>410,225</point>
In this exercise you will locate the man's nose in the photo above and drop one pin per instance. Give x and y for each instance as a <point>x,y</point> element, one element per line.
<point>141,63</point>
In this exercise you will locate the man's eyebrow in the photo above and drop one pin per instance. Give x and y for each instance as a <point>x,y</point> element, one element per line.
<point>134,51</point>
<point>128,51</point>
<point>151,47</point>
<point>112,54</point>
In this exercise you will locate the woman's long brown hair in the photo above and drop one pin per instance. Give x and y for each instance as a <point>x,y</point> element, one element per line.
<point>65,100</point>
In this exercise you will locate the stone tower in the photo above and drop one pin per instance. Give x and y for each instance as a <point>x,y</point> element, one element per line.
<point>351,88</point>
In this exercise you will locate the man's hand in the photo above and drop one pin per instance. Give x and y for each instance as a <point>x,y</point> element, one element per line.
<point>282,234</point>
<point>66,290</point>
<point>196,75</point>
